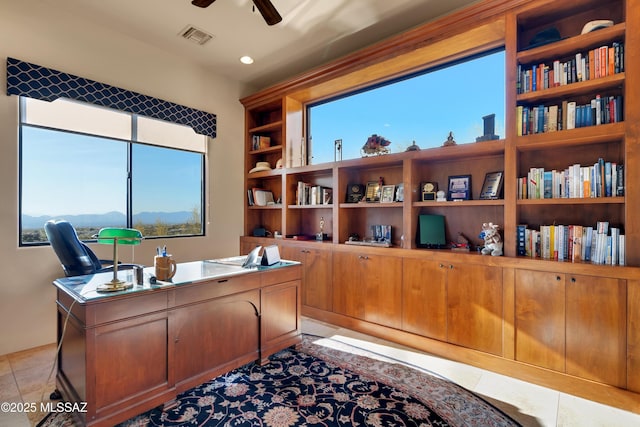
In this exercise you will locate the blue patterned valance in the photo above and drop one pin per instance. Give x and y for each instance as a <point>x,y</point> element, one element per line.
<point>38,82</point>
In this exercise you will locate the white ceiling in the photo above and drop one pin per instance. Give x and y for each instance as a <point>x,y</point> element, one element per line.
<point>312,32</point>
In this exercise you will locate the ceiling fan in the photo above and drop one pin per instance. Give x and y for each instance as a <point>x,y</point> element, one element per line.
<point>266,8</point>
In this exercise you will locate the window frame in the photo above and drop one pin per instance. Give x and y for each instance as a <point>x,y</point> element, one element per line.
<point>129,169</point>
<point>384,83</point>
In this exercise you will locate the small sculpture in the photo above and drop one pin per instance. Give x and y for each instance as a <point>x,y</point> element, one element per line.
<point>375,145</point>
<point>462,244</point>
<point>492,240</point>
<point>413,147</point>
<point>450,141</point>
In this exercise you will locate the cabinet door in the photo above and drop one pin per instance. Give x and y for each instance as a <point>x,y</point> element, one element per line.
<point>474,307</point>
<point>540,318</point>
<point>130,360</point>
<point>424,298</point>
<point>381,276</point>
<point>368,287</point>
<point>317,276</point>
<point>280,317</point>
<point>633,329</point>
<point>596,329</point>
<point>214,333</point>
<point>348,290</point>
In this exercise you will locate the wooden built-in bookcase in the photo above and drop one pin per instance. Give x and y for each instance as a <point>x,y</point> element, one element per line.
<point>495,312</point>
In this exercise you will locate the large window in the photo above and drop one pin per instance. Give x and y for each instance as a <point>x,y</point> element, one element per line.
<point>97,167</point>
<point>423,108</point>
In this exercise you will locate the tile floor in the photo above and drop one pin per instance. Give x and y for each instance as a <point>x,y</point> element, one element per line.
<point>24,377</point>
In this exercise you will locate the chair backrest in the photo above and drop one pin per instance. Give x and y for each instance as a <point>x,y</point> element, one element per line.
<point>76,257</point>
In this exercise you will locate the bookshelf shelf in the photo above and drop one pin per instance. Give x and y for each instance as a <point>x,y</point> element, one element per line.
<point>272,149</point>
<point>572,137</point>
<point>462,203</point>
<point>572,45</point>
<point>372,205</point>
<point>310,206</point>
<point>269,127</point>
<point>572,201</point>
<point>609,83</point>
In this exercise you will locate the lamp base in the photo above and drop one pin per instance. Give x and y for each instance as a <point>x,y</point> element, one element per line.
<point>114,286</point>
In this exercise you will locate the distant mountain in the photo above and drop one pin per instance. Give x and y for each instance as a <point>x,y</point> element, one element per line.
<point>109,219</point>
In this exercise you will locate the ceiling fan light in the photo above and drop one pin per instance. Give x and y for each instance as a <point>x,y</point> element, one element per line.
<point>246,59</point>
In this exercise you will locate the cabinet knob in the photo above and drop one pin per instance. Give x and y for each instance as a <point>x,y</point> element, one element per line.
<point>441,265</point>
<point>363,257</point>
<point>558,278</point>
<point>450,266</point>
<point>573,280</point>
<point>176,340</point>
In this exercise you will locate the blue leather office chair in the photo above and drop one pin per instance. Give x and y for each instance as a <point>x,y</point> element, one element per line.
<point>76,258</point>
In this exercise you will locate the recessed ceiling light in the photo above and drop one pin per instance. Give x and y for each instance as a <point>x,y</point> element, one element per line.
<point>246,59</point>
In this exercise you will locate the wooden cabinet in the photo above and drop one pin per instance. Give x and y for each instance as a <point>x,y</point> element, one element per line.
<point>633,335</point>
<point>368,287</point>
<point>540,318</point>
<point>572,323</point>
<point>317,274</point>
<point>474,306</point>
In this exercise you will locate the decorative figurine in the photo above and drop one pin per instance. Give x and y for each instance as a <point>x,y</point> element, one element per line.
<point>375,145</point>
<point>321,236</point>
<point>492,240</point>
<point>450,141</point>
<point>413,147</point>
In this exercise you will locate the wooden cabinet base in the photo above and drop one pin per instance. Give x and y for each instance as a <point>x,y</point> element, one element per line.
<point>597,392</point>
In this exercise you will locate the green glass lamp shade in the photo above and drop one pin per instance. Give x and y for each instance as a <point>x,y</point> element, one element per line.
<point>115,237</point>
<point>123,236</point>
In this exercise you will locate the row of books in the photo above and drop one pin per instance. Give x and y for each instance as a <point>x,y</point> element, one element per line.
<point>602,179</point>
<point>568,115</point>
<point>260,197</point>
<point>259,142</point>
<point>308,194</point>
<point>599,245</point>
<point>599,62</point>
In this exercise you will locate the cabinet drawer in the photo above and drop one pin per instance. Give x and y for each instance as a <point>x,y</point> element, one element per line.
<point>120,309</point>
<point>215,288</point>
<point>281,275</point>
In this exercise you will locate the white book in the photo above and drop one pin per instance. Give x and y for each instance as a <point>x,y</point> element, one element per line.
<point>571,115</point>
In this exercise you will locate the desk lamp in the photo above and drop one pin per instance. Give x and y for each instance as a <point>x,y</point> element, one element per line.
<point>117,236</point>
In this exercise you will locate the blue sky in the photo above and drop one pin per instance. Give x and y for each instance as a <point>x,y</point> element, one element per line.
<point>424,109</point>
<point>69,174</point>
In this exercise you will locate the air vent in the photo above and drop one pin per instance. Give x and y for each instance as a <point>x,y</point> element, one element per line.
<point>195,35</point>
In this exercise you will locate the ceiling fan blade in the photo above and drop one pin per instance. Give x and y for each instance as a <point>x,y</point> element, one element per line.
<point>202,3</point>
<point>268,11</point>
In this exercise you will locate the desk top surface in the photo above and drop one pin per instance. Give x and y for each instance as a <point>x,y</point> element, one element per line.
<point>83,288</point>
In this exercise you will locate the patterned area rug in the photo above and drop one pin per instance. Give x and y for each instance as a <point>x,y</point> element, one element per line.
<point>320,386</point>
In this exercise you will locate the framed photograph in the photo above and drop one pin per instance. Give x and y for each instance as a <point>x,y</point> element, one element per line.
<point>373,192</point>
<point>388,193</point>
<point>492,186</point>
<point>459,187</point>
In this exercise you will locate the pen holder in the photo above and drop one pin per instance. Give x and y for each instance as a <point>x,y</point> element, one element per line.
<point>165,267</point>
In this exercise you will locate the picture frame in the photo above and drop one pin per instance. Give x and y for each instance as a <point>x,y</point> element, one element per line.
<point>492,186</point>
<point>459,187</point>
<point>387,194</point>
<point>372,193</point>
<point>355,193</point>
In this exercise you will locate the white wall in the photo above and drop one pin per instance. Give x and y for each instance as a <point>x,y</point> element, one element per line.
<point>36,32</point>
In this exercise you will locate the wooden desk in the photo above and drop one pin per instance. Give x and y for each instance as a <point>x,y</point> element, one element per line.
<point>126,352</point>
